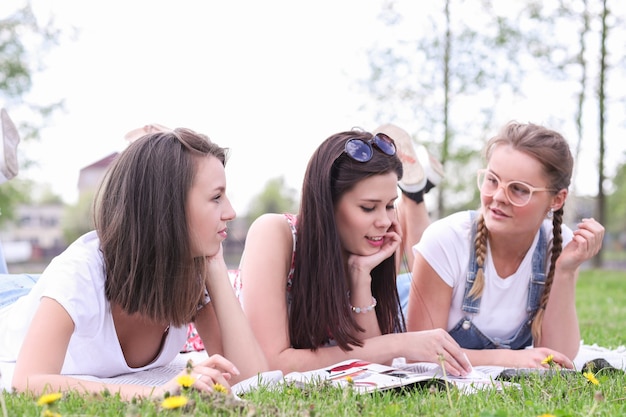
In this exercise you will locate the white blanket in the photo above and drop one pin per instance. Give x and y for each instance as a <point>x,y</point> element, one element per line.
<point>159,376</point>
<point>616,357</point>
<point>155,376</point>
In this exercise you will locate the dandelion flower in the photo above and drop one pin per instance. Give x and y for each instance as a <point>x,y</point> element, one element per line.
<point>546,415</point>
<point>349,380</point>
<point>591,378</point>
<point>220,388</point>
<point>185,381</point>
<point>49,398</point>
<point>175,401</point>
<point>48,413</point>
<point>549,360</point>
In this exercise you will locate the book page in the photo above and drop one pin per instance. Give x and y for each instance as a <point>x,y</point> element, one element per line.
<point>365,377</point>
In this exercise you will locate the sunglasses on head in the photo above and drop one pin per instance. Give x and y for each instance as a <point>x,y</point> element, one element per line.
<point>362,151</point>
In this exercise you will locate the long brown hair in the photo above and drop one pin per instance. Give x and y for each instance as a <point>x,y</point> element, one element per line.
<point>320,306</point>
<point>141,221</point>
<point>553,152</point>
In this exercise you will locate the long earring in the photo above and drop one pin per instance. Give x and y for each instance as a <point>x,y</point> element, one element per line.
<point>550,213</point>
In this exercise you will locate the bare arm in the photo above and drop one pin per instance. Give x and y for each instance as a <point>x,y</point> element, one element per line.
<point>560,329</point>
<point>39,363</point>
<point>414,219</point>
<point>430,298</point>
<point>360,268</point>
<point>523,358</point>
<point>224,328</point>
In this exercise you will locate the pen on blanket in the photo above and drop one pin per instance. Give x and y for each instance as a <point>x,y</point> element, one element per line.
<point>468,361</point>
<point>471,373</point>
<point>343,373</point>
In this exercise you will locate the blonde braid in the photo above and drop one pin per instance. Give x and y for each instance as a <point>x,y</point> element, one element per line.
<point>480,244</point>
<point>557,247</point>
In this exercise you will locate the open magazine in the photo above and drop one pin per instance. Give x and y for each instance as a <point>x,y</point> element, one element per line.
<point>367,377</point>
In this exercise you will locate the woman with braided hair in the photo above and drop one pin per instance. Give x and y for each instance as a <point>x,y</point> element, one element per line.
<point>501,280</point>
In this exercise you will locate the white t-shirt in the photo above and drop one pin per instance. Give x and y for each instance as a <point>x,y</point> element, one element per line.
<point>445,245</point>
<point>75,279</point>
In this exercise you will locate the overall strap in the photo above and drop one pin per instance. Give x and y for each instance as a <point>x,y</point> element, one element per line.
<point>537,282</point>
<point>471,305</point>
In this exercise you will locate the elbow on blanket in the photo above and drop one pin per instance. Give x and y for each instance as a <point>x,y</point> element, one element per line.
<point>23,383</point>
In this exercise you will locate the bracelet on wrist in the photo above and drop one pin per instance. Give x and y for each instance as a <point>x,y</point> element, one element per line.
<point>363,310</point>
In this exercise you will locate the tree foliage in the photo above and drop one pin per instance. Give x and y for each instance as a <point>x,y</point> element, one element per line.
<point>276,197</point>
<point>23,43</point>
<point>616,201</point>
<point>445,79</point>
<point>78,219</point>
<point>447,76</point>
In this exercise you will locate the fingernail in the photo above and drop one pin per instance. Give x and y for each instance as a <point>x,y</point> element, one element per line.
<point>236,371</point>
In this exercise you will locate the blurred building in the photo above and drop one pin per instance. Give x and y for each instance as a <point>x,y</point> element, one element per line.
<point>91,176</point>
<point>36,236</point>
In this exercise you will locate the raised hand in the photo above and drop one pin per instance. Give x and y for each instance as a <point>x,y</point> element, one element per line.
<point>585,244</point>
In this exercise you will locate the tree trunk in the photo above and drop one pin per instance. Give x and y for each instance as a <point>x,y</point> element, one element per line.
<point>601,210</point>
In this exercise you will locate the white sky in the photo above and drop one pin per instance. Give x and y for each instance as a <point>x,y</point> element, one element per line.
<point>269,79</point>
<point>265,78</point>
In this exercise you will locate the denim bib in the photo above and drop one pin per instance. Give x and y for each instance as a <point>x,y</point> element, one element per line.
<point>468,335</point>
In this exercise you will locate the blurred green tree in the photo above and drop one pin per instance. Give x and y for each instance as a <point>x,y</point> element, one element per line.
<point>23,43</point>
<point>276,197</point>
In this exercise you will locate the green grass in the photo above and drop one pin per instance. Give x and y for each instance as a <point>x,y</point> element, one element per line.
<point>601,301</point>
<point>601,305</point>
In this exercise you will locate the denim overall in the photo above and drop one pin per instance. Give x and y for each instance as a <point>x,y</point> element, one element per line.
<point>469,336</point>
<point>14,286</point>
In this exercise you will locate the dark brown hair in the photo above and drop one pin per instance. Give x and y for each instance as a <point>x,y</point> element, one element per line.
<point>141,221</point>
<point>552,151</point>
<point>320,306</point>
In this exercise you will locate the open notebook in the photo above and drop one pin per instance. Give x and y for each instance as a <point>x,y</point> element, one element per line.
<point>366,377</point>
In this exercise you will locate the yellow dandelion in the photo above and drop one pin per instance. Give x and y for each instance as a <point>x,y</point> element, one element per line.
<point>220,388</point>
<point>49,398</point>
<point>349,380</point>
<point>175,401</point>
<point>185,381</point>
<point>549,360</point>
<point>546,415</point>
<point>48,413</point>
<point>591,378</point>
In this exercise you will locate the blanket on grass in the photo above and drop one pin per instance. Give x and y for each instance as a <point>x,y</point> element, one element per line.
<point>158,376</point>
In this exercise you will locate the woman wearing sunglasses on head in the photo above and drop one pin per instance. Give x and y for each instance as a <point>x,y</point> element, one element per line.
<point>503,278</point>
<point>320,287</point>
